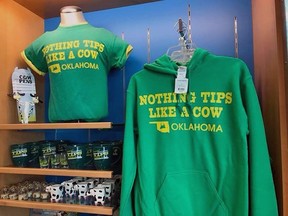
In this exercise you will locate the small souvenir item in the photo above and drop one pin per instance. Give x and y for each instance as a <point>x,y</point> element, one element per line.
<point>82,189</point>
<point>30,187</point>
<point>36,195</point>
<point>56,192</point>
<point>92,182</point>
<point>55,161</point>
<point>22,191</point>
<point>69,188</point>
<point>4,193</point>
<point>109,187</point>
<point>99,194</point>
<point>24,92</point>
<point>44,161</point>
<point>63,160</point>
<point>20,154</point>
<point>44,195</point>
<point>13,192</point>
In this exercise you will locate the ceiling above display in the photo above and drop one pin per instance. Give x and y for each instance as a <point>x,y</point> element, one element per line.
<point>51,8</point>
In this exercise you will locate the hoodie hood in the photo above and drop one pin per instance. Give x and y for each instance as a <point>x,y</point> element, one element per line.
<point>165,65</point>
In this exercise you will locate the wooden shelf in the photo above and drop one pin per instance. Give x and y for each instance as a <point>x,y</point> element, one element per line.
<point>58,206</point>
<point>41,126</point>
<point>57,172</point>
<point>51,8</point>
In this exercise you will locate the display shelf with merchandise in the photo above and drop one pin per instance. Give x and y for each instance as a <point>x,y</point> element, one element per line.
<point>104,210</point>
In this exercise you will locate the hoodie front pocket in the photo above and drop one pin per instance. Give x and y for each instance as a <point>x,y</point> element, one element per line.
<point>190,193</point>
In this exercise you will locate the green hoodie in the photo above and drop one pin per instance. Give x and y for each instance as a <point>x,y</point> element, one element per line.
<point>203,153</point>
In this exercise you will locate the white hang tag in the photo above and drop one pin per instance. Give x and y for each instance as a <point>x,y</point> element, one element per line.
<point>181,85</point>
<point>181,72</point>
<point>181,82</point>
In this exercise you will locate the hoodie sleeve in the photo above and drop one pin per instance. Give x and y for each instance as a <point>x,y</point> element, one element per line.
<point>129,155</point>
<point>262,193</point>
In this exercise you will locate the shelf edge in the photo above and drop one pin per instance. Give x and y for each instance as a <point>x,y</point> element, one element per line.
<point>57,172</point>
<point>58,206</point>
<point>39,126</point>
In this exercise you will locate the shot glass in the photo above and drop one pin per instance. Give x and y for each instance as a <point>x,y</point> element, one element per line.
<point>44,161</point>
<point>63,161</point>
<point>55,161</point>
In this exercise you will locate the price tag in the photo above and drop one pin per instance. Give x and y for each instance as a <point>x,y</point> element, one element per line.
<point>181,82</point>
<point>181,85</point>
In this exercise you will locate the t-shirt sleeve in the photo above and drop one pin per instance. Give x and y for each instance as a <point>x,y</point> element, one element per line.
<point>121,52</point>
<point>34,57</point>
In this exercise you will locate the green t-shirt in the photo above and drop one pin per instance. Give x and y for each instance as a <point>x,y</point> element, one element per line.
<point>78,59</point>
